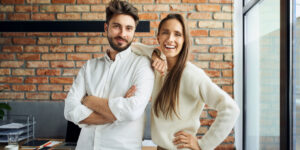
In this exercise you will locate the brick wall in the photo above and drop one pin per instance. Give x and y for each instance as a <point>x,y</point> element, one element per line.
<point>42,66</point>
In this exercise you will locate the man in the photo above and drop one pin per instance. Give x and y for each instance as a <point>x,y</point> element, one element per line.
<point>108,119</point>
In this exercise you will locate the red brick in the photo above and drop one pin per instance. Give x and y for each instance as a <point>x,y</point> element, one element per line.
<point>221,33</point>
<point>228,57</point>
<point>25,56</point>
<point>209,8</point>
<point>227,73</point>
<point>50,87</point>
<point>59,96</point>
<point>61,80</point>
<point>11,64</point>
<point>12,1</point>
<point>149,41</point>
<point>11,79</point>
<point>228,25</point>
<point>206,122</point>
<point>221,1</point>
<point>221,65</point>
<point>74,40</point>
<point>79,64</point>
<point>7,57</point>
<point>48,72</point>
<point>24,87</point>
<point>88,48</point>
<point>226,147</point>
<point>37,64</point>
<point>221,81</point>
<point>194,1</point>
<point>5,40</point>
<point>88,1</point>
<point>7,8</point>
<point>27,8</point>
<point>79,56</point>
<point>148,16</point>
<point>68,16</point>
<point>208,41</point>
<point>38,1</point>
<point>98,55</point>
<point>202,130</point>
<point>23,41</point>
<point>5,87</point>
<point>154,24</point>
<point>220,49</point>
<point>23,72</point>
<point>229,139</point>
<point>52,8</point>
<point>63,34</point>
<point>93,16</point>
<point>199,32</point>
<point>38,34</point>
<point>213,73</point>
<point>4,71</point>
<point>199,16</point>
<point>8,34</point>
<point>36,80</point>
<point>98,40</point>
<point>156,7</point>
<point>144,34</point>
<point>67,87</point>
<point>37,96</point>
<point>197,49</point>
<point>163,15</point>
<point>192,24</point>
<point>41,16</point>
<point>222,16</point>
<point>228,89</point>
<point>49,40</point>
<point>227,41</point>
<point>53,56</point>
<point>63,1</point>
<point>36,49</point>
<point>70,72</point>
<point>210,24</point>
<point>61,48</point>
<point>141,1</point>
<point>88,33</point>
<point>62,64</point>
<point>213,113</point>
<point>98,8</point>
<point>168,1</point>
<point>181,7</point>
<point>2,16</point>
<point>210,57</point>
<point>12,95</point>
<point>227,8</point>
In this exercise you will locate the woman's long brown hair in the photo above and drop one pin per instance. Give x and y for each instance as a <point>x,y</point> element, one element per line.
<point>167,100</point>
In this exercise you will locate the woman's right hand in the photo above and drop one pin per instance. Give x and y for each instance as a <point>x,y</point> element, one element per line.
<point>158,64</point>
<point>130,92</point>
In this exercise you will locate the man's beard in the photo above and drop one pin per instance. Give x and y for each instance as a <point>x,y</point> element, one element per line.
<point>117,47</point>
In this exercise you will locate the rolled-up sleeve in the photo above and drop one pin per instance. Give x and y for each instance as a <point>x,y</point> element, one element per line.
<point>125,109</point>
<point>74,110</point>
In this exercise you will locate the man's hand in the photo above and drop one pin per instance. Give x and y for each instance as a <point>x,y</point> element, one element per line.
<point>89,101</point>
<point>186,140</point>
<point>130,92</point>
<point>158,64</point>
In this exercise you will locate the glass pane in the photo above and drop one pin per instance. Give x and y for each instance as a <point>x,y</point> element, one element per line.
<point>262,38</point>
<point>296,75</point>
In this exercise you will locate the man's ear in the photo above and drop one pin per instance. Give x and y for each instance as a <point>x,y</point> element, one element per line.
<point>105,27</point>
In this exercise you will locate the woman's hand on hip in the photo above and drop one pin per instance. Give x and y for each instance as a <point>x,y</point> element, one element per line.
<point>186,140</point>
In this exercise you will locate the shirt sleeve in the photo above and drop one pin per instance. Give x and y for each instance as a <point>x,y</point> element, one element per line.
<point>126,109</point>
<point>227,109</point>
<point>74,110</point>
<point>142,49</point>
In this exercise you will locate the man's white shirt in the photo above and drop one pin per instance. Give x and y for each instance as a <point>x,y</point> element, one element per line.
<point>109,79</point>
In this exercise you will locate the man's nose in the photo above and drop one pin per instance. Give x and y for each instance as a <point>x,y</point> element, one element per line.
<point>122,33</point>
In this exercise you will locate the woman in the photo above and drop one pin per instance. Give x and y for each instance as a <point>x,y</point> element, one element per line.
<point>180,95</point>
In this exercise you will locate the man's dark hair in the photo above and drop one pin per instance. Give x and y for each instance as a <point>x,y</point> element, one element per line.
<point>121,7</point>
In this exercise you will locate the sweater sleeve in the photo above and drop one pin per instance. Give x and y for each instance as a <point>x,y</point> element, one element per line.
<point>227,115</point>
<point>142,49</point>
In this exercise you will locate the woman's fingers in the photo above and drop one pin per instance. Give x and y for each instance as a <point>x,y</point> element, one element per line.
<point>159,65</point>
<point>130,92</point>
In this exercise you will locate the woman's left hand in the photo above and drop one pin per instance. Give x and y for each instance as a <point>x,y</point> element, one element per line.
<point>186,140</point>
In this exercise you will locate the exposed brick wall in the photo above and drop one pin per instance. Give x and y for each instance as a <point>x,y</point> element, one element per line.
<point>42,66</point>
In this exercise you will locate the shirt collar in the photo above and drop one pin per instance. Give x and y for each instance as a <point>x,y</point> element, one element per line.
<point>120,55</point>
